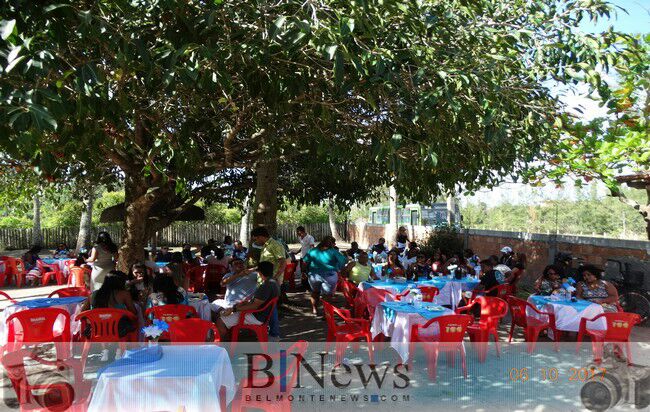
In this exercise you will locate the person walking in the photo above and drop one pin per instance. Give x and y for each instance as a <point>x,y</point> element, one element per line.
<point>324,262</point>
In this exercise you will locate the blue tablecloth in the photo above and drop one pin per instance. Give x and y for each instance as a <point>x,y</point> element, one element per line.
<point>390,309</point>
<point>51,261</point>
<point>162,264</point>
<point>136,357</point>
<point>578,305</point>
<point>49,302</point>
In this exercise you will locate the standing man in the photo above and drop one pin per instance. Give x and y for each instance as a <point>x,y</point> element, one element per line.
<point>272,251</point>
<point>307,242</point>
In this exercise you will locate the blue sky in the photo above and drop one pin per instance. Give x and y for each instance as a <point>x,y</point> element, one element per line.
<point>635,21</point>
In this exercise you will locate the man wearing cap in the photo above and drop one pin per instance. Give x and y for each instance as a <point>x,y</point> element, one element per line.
<point>507,255</point>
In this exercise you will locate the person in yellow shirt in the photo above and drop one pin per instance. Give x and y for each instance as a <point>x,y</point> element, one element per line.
<point>274,252</point>
<point>360,270</point>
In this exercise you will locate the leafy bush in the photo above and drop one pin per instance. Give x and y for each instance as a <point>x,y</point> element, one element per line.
<point>445,238</point>
<point>15,222</point>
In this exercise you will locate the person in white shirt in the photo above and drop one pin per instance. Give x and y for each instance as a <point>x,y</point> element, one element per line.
<point>307,242</point>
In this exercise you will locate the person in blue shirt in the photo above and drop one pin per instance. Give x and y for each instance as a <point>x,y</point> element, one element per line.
<point>240,252</point>
<point>323,263</point>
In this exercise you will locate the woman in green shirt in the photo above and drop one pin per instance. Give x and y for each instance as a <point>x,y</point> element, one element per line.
<point>323,262</point>
<point>361,270</point>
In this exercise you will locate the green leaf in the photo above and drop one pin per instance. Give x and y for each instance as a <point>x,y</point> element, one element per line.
<point>276,26</point>
<point>339,69</point>
<point>13,63</point>
<point>331,51</point>
<point>7,28</point>
<point>42,117</point>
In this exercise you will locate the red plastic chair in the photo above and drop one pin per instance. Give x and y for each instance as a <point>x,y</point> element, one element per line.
<point>77,275</point>
<point>289,275</point>
<point>261,331</point>
<point>50,397</point>
<point>7,297</point>
<point>532,326</point>
<point>449,339</point>
<point>351,330</point>
<point>69,292</point>
<point>196,275</point>
<point>213,276</point>
<point>193,331</point>
<point>34,326</point>
<point>48,272</point>
<point>101,325</point>
<point>369,300</point>
<point>492,311</point>
<point>498,291</point>
<point>255,390</point>
<point>350,291</point>
<point>15,268</point>
<point>619,327</point>
<point>429,293</point>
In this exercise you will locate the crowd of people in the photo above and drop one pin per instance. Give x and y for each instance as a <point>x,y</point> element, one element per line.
<point>254,276</point>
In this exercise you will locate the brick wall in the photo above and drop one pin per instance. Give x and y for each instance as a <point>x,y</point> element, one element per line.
<point>540,249</point>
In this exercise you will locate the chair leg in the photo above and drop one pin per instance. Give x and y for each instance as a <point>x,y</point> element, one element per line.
<point>628,349</point>
<point>370,348</point>
<point>512,329</point>
<point>340,350</point>
<point>497,345</point>
<point>433,365</point>
<point>463,360</point>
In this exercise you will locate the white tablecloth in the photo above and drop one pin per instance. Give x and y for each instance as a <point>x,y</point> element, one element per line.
<point>567,318</point>
<point>203,308</point>
<point>399,328</point>
<point>185,378</point>
<point>72,308</point>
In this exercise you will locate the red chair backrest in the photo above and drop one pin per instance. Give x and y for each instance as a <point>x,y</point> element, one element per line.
<point>330,312</point>
<point>104,325</point>
<point>192,330</point>
<point>14,266</point>
<point>373,297</point>
<point>172,312</point>
<point>619,325</point>
<point>69,292</point>
<point>492,309</point>
<point>399,296</point>
<point>196,277</point>
<point>37,326</point>
<point>291,371</point>
<point>451,328</point>
<point>77,275</point>
<point>429,293</point>
<point>518,310</point>
<point>270,304</point>
<point>502,291</point>
<point>350,290</point>
<point>213,276</point>
<point>44,267</point>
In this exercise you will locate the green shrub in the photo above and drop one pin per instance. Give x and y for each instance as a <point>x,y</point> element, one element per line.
<point>445,238</point>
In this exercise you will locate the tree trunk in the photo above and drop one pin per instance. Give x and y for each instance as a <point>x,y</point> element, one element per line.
<point>332,219</point>
<point>266,195</point>
<point>451,210</point>
<point>245,219</point>
<point>643,210</point>
<point>135,233</point>
<point>85,225</point>
<point>391,230</point>
<point>37,236</point>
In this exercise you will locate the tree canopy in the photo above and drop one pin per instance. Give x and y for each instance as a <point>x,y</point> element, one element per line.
<point>181,100</point>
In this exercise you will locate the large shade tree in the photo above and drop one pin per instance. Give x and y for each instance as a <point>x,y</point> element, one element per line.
<point>184,98</point>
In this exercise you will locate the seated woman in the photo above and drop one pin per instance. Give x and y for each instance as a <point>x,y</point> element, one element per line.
<point>175,269</point>
<point>393,268</point>
<point>140,284</point>
<point>518,268</point>
<point>549,282</point>
<point>62,252</point>
<point>113,294</point>
<point>266,291</point>
<point>594,289</point>
<point>240,285</point>
<point>419,270</point>
<point>360,270</point>
<point>165,292</point>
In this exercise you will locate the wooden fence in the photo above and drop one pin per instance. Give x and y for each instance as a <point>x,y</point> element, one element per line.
<point>174,235</point>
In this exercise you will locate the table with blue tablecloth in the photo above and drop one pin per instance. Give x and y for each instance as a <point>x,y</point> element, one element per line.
<point>395,319</point>
<point>186,378</point>
<point>450,288</point>
<point>70,304</point>
<point>567,313</point>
